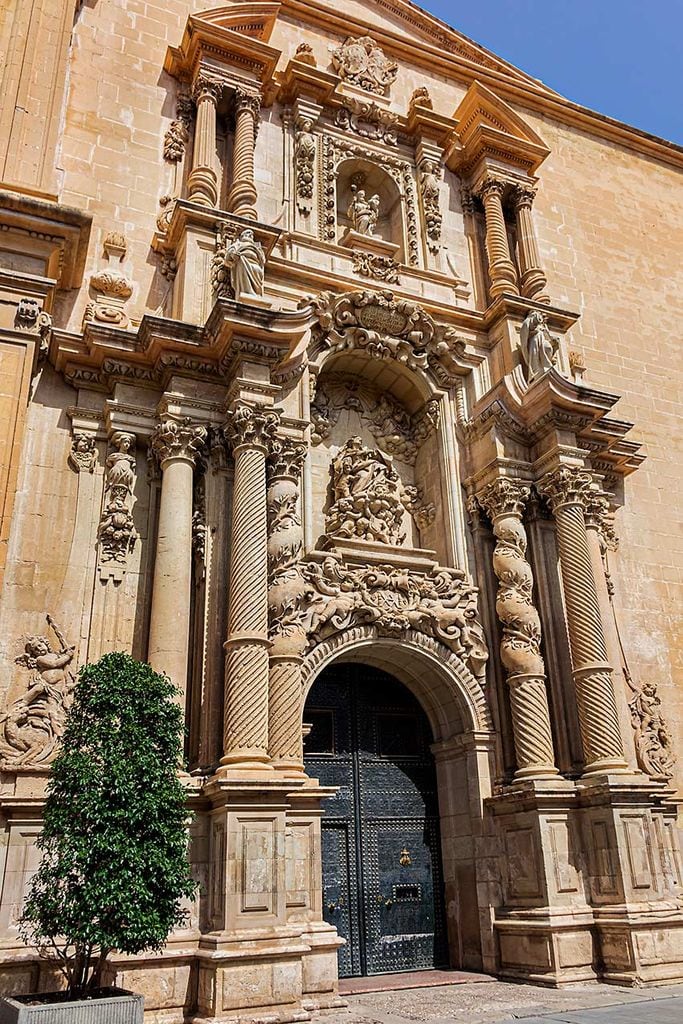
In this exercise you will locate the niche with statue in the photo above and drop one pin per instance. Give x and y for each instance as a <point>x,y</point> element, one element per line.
<point>370,215</point>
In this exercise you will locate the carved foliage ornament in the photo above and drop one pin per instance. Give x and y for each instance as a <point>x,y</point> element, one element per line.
<point>305,148</point>
<point>251,426</point>
<point>368,120</point>
<point>388,328</point>
<point>566,485</point>
<point>362,62</point>
<point>284,467</point>
<point>429,190</point>
<point>32,727</point>
<point>178,133</point>
<point>381,268</point>
<point>178,439</point>
<point>318,600</point>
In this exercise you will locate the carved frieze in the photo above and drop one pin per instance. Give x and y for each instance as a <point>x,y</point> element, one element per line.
<point>33,725</point>
<point>381,268</point>
<point>317,600</point>
<point>362,62</point>
<point>116,532</point>
<point>395,430</point>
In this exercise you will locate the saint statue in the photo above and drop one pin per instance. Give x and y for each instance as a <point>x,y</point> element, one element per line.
<point>246,261</point>
<point>539,347</point>
<point>362,212</point>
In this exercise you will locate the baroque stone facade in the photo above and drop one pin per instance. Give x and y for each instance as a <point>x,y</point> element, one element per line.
<point>249,440</point>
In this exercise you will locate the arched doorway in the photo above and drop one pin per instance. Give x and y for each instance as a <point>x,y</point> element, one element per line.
<point>381,851</point>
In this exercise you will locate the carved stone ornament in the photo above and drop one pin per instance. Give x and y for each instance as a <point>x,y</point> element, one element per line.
<point>199,519</point>
<point>304,53</point>
<point>430,191</point>
<point>226,233</point>
<point>178,133</point>
<point>652,735</point>
<point>566,485</point>
<point>395,430</point>
<point>539,348</point>
<point>116,533</point>
<point>369,497</point>
<point>245,259</point>
<point>83,453</point>
<point>284,467</point>
<point>112,290</point>
<point>317,600</point>
<point>32,727</point>
<point>363,63</point>
<point>368,120</point>
<point>421,98</point>
<point>251,426</point>
<point>388,328</point>
<point>31,317</point>
<point>363,213</point>
<point>178,439</point>
<point>381,268</point>
<point>305,149</point>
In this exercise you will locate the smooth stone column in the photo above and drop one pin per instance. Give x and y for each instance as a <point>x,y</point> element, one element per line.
<point>286,655</point>
<point>568,488</point>
<point>533,282</point>
<point>502,273</point>
<point>202,183</point>
<point>249,430</point>
<point>503,501</point>
<point>176,444</point>
<point>243,193</point>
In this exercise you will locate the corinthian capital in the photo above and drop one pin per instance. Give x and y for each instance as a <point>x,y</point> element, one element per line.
<point>504,497</point>
<point>206,87</point>
<point>566,485</point>
<point>523,196</point>
<point>286,458</point>
<point>178,439</point>
<point>251,426</point>
<point>491,186</point>
<point>245,100</point>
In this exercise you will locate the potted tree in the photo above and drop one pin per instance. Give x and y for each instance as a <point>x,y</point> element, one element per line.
<point>114,870</point>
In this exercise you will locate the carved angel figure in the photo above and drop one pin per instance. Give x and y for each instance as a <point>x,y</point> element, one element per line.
<point>246,261</point>
<point>539,347</point>
<point>653,739</point>
<point>31,728</point>
<point>368,495</point>
<point>362,212</point>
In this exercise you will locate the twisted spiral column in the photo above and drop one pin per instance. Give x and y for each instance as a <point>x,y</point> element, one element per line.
<point>202,183</point>
<point>243,193</point>
<point>245,726</point>
<point>176,445</point>
<point>534,282</point>
<point>286,655</point>
<point>502,273</point>
<point>503,500</point>
<point>567,489</point>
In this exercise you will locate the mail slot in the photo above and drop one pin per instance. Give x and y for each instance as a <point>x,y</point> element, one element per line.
<point>407,893</point>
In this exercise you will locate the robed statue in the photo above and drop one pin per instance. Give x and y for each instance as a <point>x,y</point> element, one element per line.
<point>246,261</point>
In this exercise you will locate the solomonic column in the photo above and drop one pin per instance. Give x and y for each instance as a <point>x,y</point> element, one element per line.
<point>533,282</point>
<point>243,194</point>
<point>502,273</point>
<point>176,444</point>
<point>286,654</point>
<point>202,183</point>
<point>520,648</point>
<point>568,489</point>
<point>250,431</point>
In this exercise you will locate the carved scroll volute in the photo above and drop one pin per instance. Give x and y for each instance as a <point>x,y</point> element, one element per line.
<point>284,521</point>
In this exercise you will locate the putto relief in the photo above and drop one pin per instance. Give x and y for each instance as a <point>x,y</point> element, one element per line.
<point>33,725</point>
<point>362,62</point>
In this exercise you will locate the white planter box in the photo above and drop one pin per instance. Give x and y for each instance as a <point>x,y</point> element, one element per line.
<point>118,1008</point>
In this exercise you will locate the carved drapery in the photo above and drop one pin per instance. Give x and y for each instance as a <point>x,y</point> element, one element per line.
<point>176,444</point>
<point>243,193</point>
<point>249,431</point>
<point>203,180</point>
<point>568,489</point>
<point>285,542</point>
<point>533,282</point>
<point>502,273</point>
<point>116,533</point>
<point>503,500</point>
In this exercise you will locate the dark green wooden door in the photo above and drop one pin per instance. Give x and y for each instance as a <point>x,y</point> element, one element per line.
<point>382,884</point>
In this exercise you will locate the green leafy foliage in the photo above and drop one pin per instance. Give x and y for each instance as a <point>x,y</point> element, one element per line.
<point>114,869</point>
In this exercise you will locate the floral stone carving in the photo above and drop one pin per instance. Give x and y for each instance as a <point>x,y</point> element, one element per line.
<point>312,601</point>
<point>116,531</point>
<point>112,290</point>
<point>370,498</point>
<point>381,268</point>
<point>363,63</point>
<point>31,728</point>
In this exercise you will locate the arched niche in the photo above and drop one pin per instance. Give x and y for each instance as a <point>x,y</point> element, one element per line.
<point>365,176</point>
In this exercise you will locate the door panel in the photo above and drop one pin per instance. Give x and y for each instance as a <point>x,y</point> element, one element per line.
<point>382,884</point>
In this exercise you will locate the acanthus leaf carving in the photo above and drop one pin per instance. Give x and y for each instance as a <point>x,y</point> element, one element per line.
<point>314,600</point>
<point>381,268</point>
<point>566,485</point>
<point>178,439</point>
<point>33,725</point>
<point>251,425</point>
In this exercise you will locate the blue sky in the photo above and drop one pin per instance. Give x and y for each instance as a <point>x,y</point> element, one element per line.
<point>623,58</point>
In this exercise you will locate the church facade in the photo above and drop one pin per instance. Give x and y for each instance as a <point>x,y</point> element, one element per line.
<point>340,383</point>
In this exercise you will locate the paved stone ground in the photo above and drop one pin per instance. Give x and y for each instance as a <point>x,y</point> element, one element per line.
<point>489,1002</point>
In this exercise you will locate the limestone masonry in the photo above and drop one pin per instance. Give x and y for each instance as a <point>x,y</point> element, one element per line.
<point>340,380</point>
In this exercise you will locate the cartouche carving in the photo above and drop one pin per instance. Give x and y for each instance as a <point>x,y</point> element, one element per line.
<point>33,725</point>
<point>538,346</point>
<point>116,532</point>
<point>368,120</point>
<point>362,62</point>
